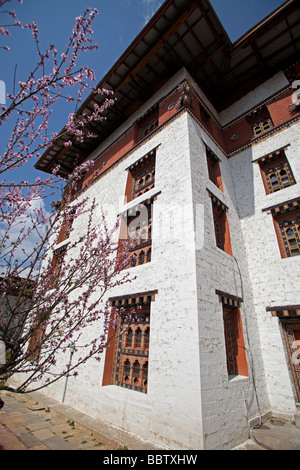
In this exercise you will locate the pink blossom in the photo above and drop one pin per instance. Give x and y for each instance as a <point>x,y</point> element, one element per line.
<point>63,306</point>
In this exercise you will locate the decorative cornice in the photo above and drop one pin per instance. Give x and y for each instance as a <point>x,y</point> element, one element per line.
<point>265,136</point>
<point>286,311</point>
<point>229,300</point>
<point>130,300</point>
<point>217,202</point>
<point>283,207</point>
<point>142,161</point>
<point>271,154</point>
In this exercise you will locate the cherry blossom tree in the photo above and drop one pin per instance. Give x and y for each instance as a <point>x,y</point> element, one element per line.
<point>54,278</point>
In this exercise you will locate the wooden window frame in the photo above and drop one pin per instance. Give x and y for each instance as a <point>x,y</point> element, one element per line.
<point>213,166</point>
<point>141,176</point>
<point>261,126</point>
<point>274,164</point>
<point>236,358</point>
<point>142,238</point>
<point>282,223</point>
<point>290,327</point>
<point>234,342</point>
<point>260,121</point>
<point>136,232</point>
<point>221,225</point>
<point>148,123</point>
<point>134,316</point>
<point>56,264</point>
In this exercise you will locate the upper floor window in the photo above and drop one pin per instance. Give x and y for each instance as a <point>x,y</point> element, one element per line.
<point>65,228</point>
<point>141,176</point>
<point>262,126</point>
<point>139,228</point>
<point>56,264</point>
<point>260,121</point>
<point>233,334</point>
<point>288,231</point>
<point>126,361</point>
<point>213,166</point>
<point>143,180</point>
<point>286,217</point>
<point>136,230</point>
<point>221,225</point>
<point>276,171</point>
<point>148,123</point>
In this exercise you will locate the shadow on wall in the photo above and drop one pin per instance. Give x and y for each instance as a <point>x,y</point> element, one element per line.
<point>242,173</point>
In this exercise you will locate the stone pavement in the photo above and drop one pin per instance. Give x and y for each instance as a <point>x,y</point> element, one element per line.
<point>36,422</point>
<point>26,425</point>
<point>277,434</point>
<point>273,434</point>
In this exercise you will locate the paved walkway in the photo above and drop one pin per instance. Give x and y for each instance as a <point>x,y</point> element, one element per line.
<point>27,425</point>
<point>37,422</point>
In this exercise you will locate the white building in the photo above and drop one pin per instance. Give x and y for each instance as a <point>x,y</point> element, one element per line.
<point>205,135</point>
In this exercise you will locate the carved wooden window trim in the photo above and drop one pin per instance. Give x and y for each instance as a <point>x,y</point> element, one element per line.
<point>127,358</point>
<point>276,171</point>
<point>262,126</point>
<point>291,332</point>
<point>221,225</point>
<point>213,166</point>
<point>233,334</point>
<point>260,121</point>
<point>288,232</point>
<point>141,235</point>
<point>136,231</point>
<point>148,123</point>
<point>56,264</point>
<point>141,176</point>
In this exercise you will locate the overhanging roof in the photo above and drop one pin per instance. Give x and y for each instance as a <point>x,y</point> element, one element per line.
<point>185,33</point>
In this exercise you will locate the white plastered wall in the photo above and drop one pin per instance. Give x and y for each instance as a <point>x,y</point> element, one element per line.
<point>189,393</point>
<point>228,403</point>
<point>170,413</point>
<point>275,280</point>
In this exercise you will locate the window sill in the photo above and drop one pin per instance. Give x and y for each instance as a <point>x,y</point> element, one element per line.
<point>280,189</point>
<point>140,199</point>
<point>219,250</point>
<point>238,378</point>
<point>61,244</point>
<point>139,265</point>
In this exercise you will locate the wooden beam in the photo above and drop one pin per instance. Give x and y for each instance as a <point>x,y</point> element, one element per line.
<point>158,45</point>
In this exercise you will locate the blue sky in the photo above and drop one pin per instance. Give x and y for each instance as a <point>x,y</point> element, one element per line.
<point>116,25</point>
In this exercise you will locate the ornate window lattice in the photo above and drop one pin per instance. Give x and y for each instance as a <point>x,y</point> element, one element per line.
<point>286,218</point>
<point>148,123</point>
<point>131,354</point>
<point>276,172</point>
<point>143,181</point>
<point>260,121</point>
<point>291,331</point>
<point>262,126</point>
<point>136,224</point>
<point>139,229</point>
<point>288,229</point>
<point>142,175</point>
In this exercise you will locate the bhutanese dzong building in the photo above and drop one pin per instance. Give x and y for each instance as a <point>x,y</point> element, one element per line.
<point>205,136</point>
